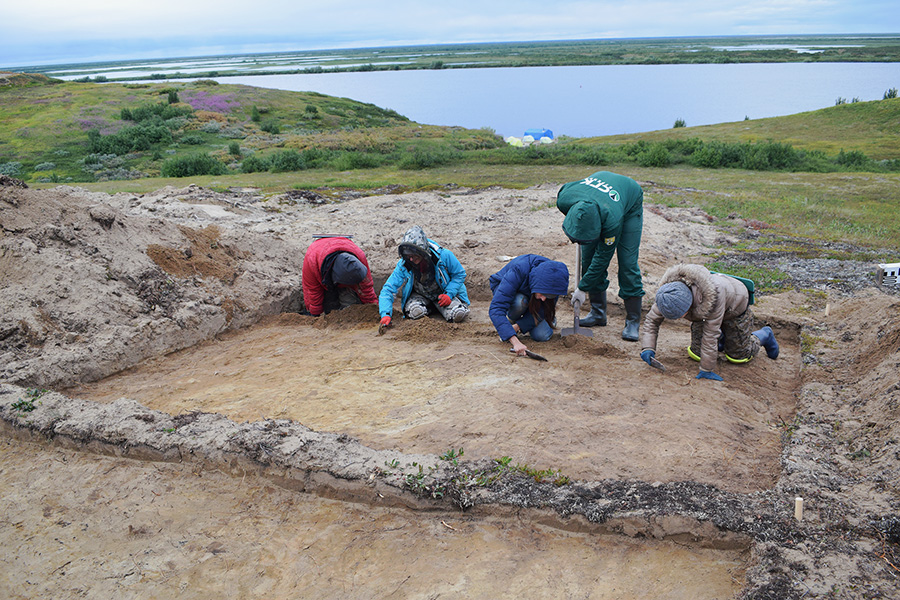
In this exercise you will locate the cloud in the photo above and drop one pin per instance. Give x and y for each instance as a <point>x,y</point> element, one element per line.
<point>40,30</point>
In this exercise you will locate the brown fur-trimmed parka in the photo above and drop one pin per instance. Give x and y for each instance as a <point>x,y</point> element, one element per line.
<point>716,297</point>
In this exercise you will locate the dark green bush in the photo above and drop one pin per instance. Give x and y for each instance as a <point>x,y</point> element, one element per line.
<point>853,159</point>
<point>254,164</point>
<point>191,140</point>
<point>234,149</point>
<point>131,139</point>
<point>191,165</point>
<point>286,160</point>
<point>150,111</point>
<point>654,156</point>
<point>348,161</point>
<point>270,126</point>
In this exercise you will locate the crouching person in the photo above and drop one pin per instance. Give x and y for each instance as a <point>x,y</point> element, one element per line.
<point>718,307</point>
<point>335,275</point>
<point>525,292</point>
<point>428,277</point>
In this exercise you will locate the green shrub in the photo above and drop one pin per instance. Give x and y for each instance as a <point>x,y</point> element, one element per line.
<point>655,156</point>
<point>191,165</point>
<point>679,123</point>
<point>191,140</point>
<point>707,157</point>
<point>270,126</point>
<point>234,149</point>
<point>286,160</point>
<point>254,115</point>
<point>131,139</point>
<point>348,161</point>
<point>853,159</point>
<point>150,111</point>
<point>254,164</point>
<point>13,169</point>
<point>173,97</point>
<point>891,93</point>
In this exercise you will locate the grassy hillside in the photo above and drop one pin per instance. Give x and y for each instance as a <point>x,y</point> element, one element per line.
<point>868,127</point>
<point>46,130</point>
<point>832,174</point>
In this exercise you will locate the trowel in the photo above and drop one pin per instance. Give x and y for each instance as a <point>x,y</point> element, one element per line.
<point>577,329</point>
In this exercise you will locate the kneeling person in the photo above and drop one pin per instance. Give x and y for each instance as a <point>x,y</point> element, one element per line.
<point>428,277</point>
<point>718,307</point>
<point>525,292</point>
<point>335,275</point>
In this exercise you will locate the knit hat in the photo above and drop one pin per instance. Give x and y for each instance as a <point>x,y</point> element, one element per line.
<point>347,269</point>
<point>674,299</point>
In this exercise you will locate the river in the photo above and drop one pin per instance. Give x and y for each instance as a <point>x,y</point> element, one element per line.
<point>599,100</point>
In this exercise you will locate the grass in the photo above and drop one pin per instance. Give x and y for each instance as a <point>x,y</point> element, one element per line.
<point>347,144</point>
<point>868,127</point>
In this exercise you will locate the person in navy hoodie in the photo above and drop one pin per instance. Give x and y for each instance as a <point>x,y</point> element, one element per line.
<point>525,292</point>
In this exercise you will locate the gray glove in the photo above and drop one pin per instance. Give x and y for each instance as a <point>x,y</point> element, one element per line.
<point>579,297</point>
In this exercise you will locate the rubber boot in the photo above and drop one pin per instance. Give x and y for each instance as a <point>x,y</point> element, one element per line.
<point>632,319</point>
<point>767,340</point>
<point>598,311</point>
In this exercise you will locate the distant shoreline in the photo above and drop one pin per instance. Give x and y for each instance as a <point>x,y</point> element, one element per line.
<point>879,48</point>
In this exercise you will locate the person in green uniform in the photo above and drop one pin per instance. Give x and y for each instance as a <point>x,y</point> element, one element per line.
<point>604,212</point>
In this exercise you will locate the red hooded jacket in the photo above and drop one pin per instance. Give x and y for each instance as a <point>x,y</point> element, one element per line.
<point>314,289</point>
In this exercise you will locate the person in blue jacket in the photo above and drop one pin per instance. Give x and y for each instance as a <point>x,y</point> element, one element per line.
<point>428,277</point>
<point>525,292</point>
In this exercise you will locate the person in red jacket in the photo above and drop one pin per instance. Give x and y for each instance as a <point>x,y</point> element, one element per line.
<point>336,274</point>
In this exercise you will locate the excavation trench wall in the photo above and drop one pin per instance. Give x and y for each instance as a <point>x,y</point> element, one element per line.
<point>338,467</point>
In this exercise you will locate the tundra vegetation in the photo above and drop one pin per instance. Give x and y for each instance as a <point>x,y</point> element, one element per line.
<point>142,136</point>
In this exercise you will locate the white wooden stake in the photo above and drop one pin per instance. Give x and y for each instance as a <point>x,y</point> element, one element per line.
<point>798,508</point>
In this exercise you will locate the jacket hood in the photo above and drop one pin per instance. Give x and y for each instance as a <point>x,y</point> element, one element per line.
<point>414,240</point>
<point>550,278</point>
<point>583,223</point>
<point>699,279</point>
<point>347,269</point>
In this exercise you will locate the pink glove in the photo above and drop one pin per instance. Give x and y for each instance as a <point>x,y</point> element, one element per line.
<point>444,300</point>
<point>386,321</point>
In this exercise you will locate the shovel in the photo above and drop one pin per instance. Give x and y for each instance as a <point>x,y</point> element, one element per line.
<point>657,365</point>
<point>577,329</point>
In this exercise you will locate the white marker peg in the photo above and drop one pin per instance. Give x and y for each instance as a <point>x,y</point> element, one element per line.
<point>798,508</point>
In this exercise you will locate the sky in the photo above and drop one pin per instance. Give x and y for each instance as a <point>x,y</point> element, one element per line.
<point>41,32</point>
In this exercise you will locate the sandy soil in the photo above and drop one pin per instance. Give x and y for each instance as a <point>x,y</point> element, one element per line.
<point>152,297</point>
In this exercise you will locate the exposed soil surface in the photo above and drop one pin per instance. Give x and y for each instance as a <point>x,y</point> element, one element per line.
<point>186,301</point>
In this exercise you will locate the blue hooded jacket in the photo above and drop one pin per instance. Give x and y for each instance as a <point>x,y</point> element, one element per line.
<point>527,274</point>
<point>448,272</point>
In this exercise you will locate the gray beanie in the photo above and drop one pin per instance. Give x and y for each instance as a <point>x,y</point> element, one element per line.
<point>347,269</point>
<point>674,299</point>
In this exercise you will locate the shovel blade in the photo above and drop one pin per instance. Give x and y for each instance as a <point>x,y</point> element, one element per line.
<point>577,330</point>
<point>657,365</point>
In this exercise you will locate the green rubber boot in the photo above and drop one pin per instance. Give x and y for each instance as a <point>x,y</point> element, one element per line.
<point>598,311</point>
<point>632,319</point>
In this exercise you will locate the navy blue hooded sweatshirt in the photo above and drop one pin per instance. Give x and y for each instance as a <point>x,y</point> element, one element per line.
<point>527,274</point>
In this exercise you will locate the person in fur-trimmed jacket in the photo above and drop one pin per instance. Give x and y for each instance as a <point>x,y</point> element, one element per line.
<point>718,307</point>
